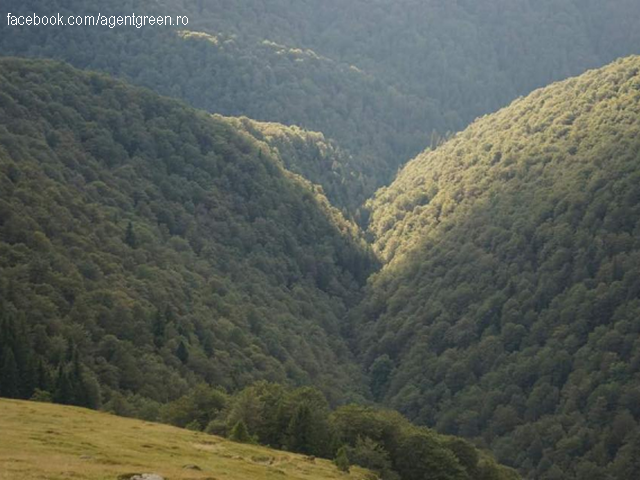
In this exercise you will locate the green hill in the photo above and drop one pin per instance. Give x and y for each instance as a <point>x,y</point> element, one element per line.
<point>469,58</point>
<point>238,76</point>
<point>161,262</point>
<point>44,441</point>
<point>162,246</point>
<point>382,79</point>
<point>508,310</point>
<point>316,158</point>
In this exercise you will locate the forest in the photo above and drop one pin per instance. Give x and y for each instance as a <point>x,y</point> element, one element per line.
<point>380,82</point>
<point>130,276</point>
<point>370,232</point>
<point>507,307</point>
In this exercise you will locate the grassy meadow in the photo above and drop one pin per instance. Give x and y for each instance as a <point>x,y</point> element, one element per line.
<point>53,442</point>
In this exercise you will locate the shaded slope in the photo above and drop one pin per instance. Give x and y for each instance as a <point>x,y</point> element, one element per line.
<point>378,77</point>
<point>163,244</point>
<point>230,75</point>
<point>469,57</point>
<point>315,157</point>
<point>509,305</point>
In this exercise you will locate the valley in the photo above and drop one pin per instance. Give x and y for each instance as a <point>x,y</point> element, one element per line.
<point>399,237</point>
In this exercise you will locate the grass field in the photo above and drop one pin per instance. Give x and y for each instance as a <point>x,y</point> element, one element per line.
<point>53,442</point>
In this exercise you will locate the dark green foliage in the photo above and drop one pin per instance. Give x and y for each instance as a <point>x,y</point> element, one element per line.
<point>63,391</point>
<point>194,426</point>
<point>379,374</point>
<point>387,443</point>
<point>182,353</point>
<point>73,387</point>
<point>300,420</point>
<point>301,434</point>
<point>509,302</point>
<point>377,77</point>
<point>466,454</point>
<point>342,460</point>
<point>240,433</point>
<point>418,456</point>
<point>372,455</point>
<point>9,377</point>
<point>201,406</point>
<point>20,373</point>
<point>242,270</point>
<point>130,236</point>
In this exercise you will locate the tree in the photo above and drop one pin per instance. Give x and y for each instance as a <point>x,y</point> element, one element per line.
<point>182,353</point>
<point>420,456</point>
<point>9,378</point>
<point>240,433</point>
<point>130,236</point>
<point>380,373</point>
<point>300,431</point>
<point>371,455</point>
<point>466,454</point>
<point>202,405</point>
<point>342,460</point>
<point>158,329</point>
<point>63,392</point>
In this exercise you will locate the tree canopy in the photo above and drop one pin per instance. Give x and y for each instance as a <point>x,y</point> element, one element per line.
<point>508,302</point>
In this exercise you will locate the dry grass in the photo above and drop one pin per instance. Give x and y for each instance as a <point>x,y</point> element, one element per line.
<point>53,442</point>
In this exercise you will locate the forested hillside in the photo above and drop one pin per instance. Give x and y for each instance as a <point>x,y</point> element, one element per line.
<point>383,79</point>
<point>378,126</point>
<point>206,267</point>
<point>315,157</point>
<point>471,57</point>
<point>159,246</point>
<point>98,446</point>
<point>508,310</point>
<point>162,263</point>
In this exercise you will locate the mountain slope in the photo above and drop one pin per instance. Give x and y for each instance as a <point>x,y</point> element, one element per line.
<point>378,77</point>
<point>315,157</point>
<point>508,310</point>
<point>230,75</point>
<point>51,441</point>
<point>469,57</point>
<point>161,246</point>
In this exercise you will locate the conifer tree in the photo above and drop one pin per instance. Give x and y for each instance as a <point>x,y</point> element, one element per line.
<point>342,460</point>
<point>182,353</point>
<point>130,236</point>
<point>240,433</point>
<point>63,392</point>
<point>300,431</point>
<point>158,328</point>
<point>9,378</point>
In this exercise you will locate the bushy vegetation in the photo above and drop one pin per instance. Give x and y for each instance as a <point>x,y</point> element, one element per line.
<point>145,247</point>
<point>301,421</point>
<point>508,307</point>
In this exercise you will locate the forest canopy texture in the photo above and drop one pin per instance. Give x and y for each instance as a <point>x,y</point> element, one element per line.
<point>216,227</point>
<point>508,308</point>
<point>383,79</point>
<point>162,244</point>
<point>149,250</point>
